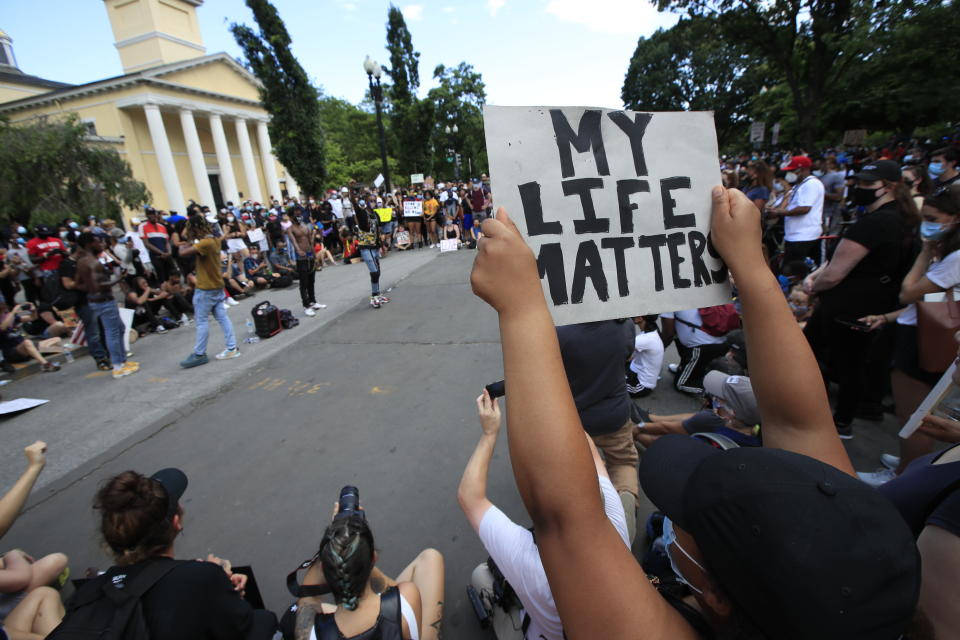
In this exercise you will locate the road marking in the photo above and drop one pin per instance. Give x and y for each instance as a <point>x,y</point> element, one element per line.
<point>383,389</point>
<point>295,388</point>
<point>96,374</point>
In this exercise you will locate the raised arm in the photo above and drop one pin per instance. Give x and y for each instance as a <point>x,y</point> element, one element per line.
<point>13,501</point>
<point>472,493</point>
<point>792,400</point>
<point>588,566</point>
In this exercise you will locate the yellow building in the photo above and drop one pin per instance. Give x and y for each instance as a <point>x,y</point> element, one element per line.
<point>190,125</point>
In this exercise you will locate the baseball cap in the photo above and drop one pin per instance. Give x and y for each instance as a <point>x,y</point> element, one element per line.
<point>174,483</point>
<point>880,170</point>
<point>803,549</point>
<point>797,162</point>
<point>737,393</point>
<point>135,221</point>
<point>117,233</point>
<point>344,190</point>
<point>736,343</point>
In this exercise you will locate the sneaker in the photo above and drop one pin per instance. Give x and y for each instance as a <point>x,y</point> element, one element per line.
<point>228,354</point>
<point>309,312</point>
<point>890,461</point>
<point>133,366</point>
<point>673,367</point>
<point>50,367</point>
<point>160,329</point>
<point>231,302</point>
<point>121,372</point>
<point>878,477</point>
<point>103,364</point>
<point>374,302</point>
<point>193,360</point>
<point>184,319</point>
<point>317,305</point>
<point>383,299</point>
<point>845,431</point>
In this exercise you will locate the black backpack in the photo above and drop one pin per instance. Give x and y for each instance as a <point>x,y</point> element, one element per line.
<point>288,320</point>
<point>109,606</point>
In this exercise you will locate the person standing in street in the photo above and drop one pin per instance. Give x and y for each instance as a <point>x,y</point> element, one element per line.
<point>301,239</point>
<point>209,296</point>
<point>93,280</point>
<point>368,238</point>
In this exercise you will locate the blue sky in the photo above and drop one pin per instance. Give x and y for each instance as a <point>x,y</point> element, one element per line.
<point>530,52</point>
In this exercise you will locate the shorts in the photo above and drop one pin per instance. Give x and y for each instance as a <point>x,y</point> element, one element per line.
<point>906,355</point>
<point>387,227</point>
<point>467,220</point>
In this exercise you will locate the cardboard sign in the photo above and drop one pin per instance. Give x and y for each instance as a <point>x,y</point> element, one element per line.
<point>416,178</point>
<point>412,208</point>
<point>614,204</point>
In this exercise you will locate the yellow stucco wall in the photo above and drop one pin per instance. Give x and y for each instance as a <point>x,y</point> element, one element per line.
<point>133,18</point>
<point>216,77</point>
<point>14,91</point>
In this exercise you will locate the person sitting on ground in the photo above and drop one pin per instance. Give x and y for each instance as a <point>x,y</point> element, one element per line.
<point>148,304</point>
<point>257,269</point>
<point>234,281</point>
<point>280,262</point>
<point>351,246</point>
<point>140,518</point>
<point>402,238</point>
<point>368,603</point>
<point>772,540</point>
<point>695,346</point>
<point>451,231</point>
<point>15,347</point>
<point>800,304</point>
<point>178,296</point>
<point>29,607</point>
<point>729,409</point>
<point>643,367</point>
<point>322,254</point>
<point>44,322</point>
<point>512,547</point>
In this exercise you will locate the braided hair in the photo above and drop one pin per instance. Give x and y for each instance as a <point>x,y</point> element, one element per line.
<point>197,227</point>
<point>346,557</point>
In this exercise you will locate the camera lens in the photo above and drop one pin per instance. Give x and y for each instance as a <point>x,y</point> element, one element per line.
<point>349,502</point>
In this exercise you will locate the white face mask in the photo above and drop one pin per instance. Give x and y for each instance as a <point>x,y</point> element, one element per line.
<point>818,173</point>
<point>791,177</point>
<point>778,186</point>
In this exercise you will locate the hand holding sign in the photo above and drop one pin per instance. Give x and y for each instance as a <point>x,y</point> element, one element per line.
<point>735,229</point>
<point>505,271</point>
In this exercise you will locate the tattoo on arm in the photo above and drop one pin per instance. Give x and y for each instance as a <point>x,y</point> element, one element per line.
<point>306,614</point>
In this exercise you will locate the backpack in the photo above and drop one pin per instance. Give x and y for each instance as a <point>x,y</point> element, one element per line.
<point>288,320</point>
<point>109,608</point>
<point>716,321</point>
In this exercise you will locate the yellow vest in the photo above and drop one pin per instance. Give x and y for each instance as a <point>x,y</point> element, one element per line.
<point>385,214</point>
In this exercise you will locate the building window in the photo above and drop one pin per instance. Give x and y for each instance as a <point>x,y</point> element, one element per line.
<point>91,126</point>
<point>4,58</point>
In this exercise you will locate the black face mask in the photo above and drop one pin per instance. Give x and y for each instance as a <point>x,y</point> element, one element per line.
<point>864,197</point>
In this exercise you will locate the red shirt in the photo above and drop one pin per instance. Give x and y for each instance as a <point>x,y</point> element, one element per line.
<point>37,247</point>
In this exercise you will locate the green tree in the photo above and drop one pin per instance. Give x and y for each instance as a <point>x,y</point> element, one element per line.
<point>352,148</point>
<point>288,95</point>
<point>458,100</point>
<point>811,44</point>
<point>410,119</point>
<point>49,171</point>
<point>687,68</point>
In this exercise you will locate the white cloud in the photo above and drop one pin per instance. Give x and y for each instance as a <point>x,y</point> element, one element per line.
<point>413,11</point>
<point>610,16</point>
<point>495,5</point>
<point>448,9</point>
<point>347,4</point>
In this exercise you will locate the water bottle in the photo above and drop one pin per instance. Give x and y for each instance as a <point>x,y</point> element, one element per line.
<point>249,326</point>
<point>252,340</point>
<point>68,352</point>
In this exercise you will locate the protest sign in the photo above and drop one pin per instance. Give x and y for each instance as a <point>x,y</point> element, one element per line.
<point>614,204</point>
<point>378,180</point>
<point>235,245</point>
<point>756,132</point>
<point>449,245</point>
<point>775,134</point>
<point>416,178</point>
<point>412,208</point>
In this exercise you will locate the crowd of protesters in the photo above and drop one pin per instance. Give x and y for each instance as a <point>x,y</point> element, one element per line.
<point>83,272</point>
<point>762,529</point>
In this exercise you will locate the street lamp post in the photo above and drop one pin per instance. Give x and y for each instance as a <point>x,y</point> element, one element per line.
<point>452,132</point>
<point>374,71</point>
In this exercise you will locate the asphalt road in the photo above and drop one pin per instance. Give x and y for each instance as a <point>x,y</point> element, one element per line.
<point>381,399</point>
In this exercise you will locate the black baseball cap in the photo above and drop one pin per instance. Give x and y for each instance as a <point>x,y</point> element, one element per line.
<point>174,483</point>
<point>803,549</point>
<point>880,170</point>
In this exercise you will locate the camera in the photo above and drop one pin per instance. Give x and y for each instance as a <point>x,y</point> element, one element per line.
<point>349,503</point>
<point>497,389</point>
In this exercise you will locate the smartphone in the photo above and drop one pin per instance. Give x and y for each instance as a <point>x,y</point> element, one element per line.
<point>856,325</point>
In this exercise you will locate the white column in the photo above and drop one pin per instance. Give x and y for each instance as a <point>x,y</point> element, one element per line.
<point>268,161</point>
<point>195,153</point>
<point>227,181</point>
<point>293,189</point>
<point>249,167</point>
<point>168,170</point>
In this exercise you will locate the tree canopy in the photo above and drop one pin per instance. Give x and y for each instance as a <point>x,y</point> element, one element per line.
<point>287,94</point>
<point>458,100</point>
<point>50,170</point>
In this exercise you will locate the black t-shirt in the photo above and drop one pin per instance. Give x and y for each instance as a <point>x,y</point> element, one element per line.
<point>594,355</point>
<point>275,229</point>
<point>927,493</point>
<point>881,232</point>
<point>68,269</point>
<point>194,601</point>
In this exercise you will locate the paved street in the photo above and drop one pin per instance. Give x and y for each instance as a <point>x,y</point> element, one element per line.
<point>382,399</point>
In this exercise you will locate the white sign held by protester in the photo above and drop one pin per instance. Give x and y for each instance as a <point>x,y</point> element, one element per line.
<point>614,204</point>
<point>412,208</point>
<point>416,178</point>
<point>756,132</point>
<point>449,245</point>
<point>378,180</point>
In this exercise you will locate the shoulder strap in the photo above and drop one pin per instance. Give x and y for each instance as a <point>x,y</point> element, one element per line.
<point>689,324</point>
<point>390,604</point>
